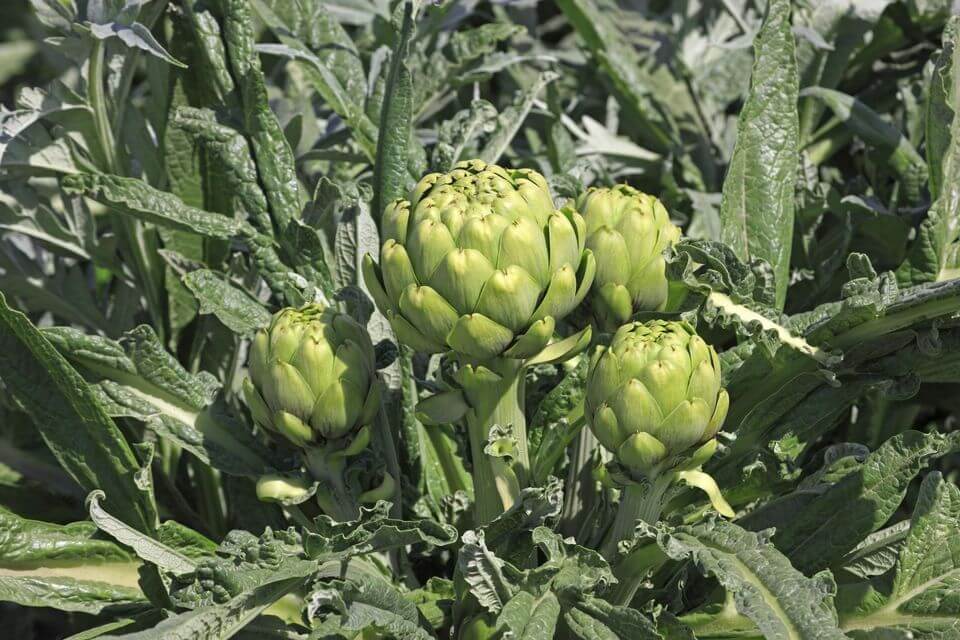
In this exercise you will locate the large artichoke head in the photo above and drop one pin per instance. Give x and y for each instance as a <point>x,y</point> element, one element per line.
<point>654,397</point>
<point>627,230</point>
<point>312,376</point>
<point>480,262</point>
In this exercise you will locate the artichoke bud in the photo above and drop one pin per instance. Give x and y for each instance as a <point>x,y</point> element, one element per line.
<point>654,397</point>
<point>478,258</point>
<point>627,230</point>
<point>312,377</point>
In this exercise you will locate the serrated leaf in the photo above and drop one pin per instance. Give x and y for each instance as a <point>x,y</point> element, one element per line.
<point>136,198</point>
<point>530,617</point>
<point>922,600</point>
<point>511,119</point>
<point>781,601</point>
<point>235,308</point>
<point>373,532</point>
<point>834,522</point>
<point>649,95</point>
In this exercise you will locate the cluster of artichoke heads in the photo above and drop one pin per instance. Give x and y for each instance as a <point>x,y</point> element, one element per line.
<point>480,262</point>
<point>654,396</point>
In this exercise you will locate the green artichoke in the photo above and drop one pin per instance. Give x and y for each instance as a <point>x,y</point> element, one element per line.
<point>654,395</point>
<point>627,230</point>
<point>480,262</point>
<point>312,376</point>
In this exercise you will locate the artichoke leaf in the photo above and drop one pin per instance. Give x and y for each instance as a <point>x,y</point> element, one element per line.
<point>562,350</point>
<point>442,408</point>
<point>704,482</point>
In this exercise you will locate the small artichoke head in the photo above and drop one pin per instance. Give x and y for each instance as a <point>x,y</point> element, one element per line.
<point>627,230</point>
<point>480,262</point>
<point>654,396</point>
<point>312,376</point>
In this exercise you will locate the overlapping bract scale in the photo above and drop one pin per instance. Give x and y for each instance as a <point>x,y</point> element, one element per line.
<point>655,392</point>
<point>312,375</point>
<point>479,261</point>
<point>627,230</point>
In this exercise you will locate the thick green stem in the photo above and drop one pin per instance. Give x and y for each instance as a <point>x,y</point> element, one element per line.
<point>98,104</point>
<point>384,435</point>
<point>497,400</point>
<point>580,487</point>
<point>631,571</point>
<point>132,235</point>
<point>639,502</point>
<point>333,495</point>
<point>295,513</point>
<point>210,499</point>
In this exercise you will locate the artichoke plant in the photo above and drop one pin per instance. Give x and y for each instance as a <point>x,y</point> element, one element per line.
<point>627,230</point>
<point>479,262</point>
<point>313,383</point>
<point>654,399</point>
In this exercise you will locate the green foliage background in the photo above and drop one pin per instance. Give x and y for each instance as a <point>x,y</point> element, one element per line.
<point>173,172</point>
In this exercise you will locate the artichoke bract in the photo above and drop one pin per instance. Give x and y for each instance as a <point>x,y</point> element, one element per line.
<point>627,230</point>
<point>312,376</point>
<point>480,262</point>
<point>654,394</point>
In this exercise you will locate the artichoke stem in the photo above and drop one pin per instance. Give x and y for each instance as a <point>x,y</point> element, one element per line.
<point>639,502</point>
<point>632,570</point>
<point>497,480</point>
<point>580,488</point>
<point>333,496</point>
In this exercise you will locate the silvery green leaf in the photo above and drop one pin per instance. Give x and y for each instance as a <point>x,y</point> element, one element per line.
<point>56,14</point>
<point>922,599</point>
<point>531,617</point>
<point>26,145</point>
<point>235,308</point>
<point>878,552</point>
<point>133,35</point>
<point>66,567</point>
<point>222,621</point>
<point>483,572</point>
<point>374,531</point>
<point>138,378</point>
<point>780,600</point>
<point>368,602</point>
<point>146,548</point>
